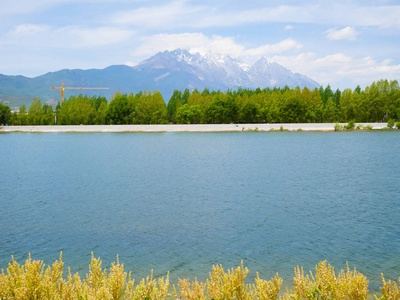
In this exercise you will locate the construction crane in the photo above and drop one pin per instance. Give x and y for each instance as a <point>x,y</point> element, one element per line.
<point>62,88</point>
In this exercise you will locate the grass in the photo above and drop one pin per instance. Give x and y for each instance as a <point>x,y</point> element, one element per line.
<point>34,281</point>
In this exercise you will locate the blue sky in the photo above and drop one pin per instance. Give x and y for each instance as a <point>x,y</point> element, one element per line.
<point>342,43</point>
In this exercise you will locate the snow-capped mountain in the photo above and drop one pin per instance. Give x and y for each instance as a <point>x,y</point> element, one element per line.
<point>220,71</point>
<point>165,72</point>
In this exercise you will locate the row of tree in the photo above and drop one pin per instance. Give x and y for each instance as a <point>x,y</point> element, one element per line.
<point>377,103</point>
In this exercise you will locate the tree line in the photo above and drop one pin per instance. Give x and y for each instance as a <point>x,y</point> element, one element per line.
<point>378,102</point>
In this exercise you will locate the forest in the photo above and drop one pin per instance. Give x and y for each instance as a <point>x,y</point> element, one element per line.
<point>378,102</point>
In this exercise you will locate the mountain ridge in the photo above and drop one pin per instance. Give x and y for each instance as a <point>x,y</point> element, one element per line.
<point>164,71</point>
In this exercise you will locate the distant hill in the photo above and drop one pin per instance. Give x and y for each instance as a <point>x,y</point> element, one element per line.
<point>165,71</point>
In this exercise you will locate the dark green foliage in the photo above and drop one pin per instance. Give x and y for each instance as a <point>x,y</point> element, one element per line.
<point>96,101</point>
<point>5,114</point>
<point>174,103</point>
<point>326,94</point>
<point>48,116</point>
<point>330,111</point>
<point>118,111</point>
<point>350,126</point>
<point>22,116</point>
<point>36,113</point>
<point>187,114</point>
<point>390,123</point>
<point>185,96</point>
<point>249,112</point>
<point>223,109</point>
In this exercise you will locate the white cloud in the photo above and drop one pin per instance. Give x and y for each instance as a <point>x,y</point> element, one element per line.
<point>66,37</point>
<point>173,14</point>
<point>30,29</point>
<point>340,70</point>
<point>269,49</point>
<point>332,60</point>
<point>347,33</point>
<point>88,37</point>
<point>180,13</point>
<point>160,42</point>
<point>198,42</point>
<point>289,27</point>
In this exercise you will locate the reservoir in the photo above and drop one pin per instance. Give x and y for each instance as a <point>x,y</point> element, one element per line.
<point>182,202</point>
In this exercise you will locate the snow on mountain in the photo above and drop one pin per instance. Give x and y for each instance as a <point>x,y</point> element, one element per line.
<point>165,72</point>
<point>221,71</point>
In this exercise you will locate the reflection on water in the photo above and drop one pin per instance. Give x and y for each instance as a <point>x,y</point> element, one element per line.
<point>181,202</point>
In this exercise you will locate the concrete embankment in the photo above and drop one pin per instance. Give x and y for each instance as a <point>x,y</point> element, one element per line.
<point>184,127</point>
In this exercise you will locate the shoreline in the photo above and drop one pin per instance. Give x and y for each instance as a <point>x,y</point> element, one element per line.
<point>318,127</point>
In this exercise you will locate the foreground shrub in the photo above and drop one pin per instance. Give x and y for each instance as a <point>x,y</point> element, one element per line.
<point>338,127</point>
<point>350,126</point>
<point>326,285</point>
<point>390,291</point>
<point>30,281</point>
<point>33,281</point>
<point>229,285</point>
<point>391,123</point>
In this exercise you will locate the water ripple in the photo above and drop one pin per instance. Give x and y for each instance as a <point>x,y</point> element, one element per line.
<point>183,202</point>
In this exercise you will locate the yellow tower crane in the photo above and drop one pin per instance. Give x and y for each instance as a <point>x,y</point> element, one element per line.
<point>62,88</point>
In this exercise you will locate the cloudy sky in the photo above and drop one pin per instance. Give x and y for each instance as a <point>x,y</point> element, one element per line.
<point>342,43</point>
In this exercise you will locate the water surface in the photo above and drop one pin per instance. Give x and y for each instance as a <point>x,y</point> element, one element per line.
<point>181,202</point>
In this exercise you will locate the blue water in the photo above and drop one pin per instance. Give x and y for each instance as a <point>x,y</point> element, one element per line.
<point>181,202</point>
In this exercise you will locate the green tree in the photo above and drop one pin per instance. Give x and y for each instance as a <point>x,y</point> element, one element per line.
<point>35,113</point>
<point>118,111</point>
<point>349,105</point>
<point>375,97</point>
<point>293,109</point>
<point>330,112</point>
<point>326,93</point>
<point>173,105</point>
<point>96,101</point>
<point>249,111</point>
<point>336,97</point>
<point>203,101</point>
<point>151,108</point>
<point>391,123</point>
<point>101,115</point>
<point>313,105</point>
<point>5,114</point>
<point>76,111</point>
<point>205,92</point>
<point>48,115</point>
<point>187,114</point>
<point>223,109</point>
<point>393,105</point>
<point>22,115</point>
<point>185,96</point>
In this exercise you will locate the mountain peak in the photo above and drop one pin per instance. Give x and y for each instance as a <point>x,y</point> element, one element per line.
<point>262,61</point>
<point>219,70</point>
<point>165,72</point>
<point>179,54</point>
